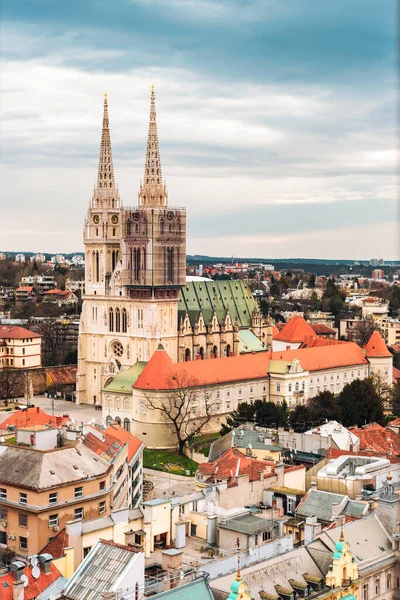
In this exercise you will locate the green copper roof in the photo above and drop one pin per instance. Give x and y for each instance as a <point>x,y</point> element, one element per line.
<point>198,589</point>
<point>205,296</point>
<point>123,382</point>
<point>279,366</point>
<point>248,342</point>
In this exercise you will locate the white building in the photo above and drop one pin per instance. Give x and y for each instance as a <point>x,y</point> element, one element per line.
<point>20,258</point>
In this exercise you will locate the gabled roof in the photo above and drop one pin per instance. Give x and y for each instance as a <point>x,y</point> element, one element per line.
<point>101,570</point>
<point>112,441</point>
<point>232,464</point>
<point>317,503</point>
<point>25,288</point>
<point>295,331</point>
<point>322,329</point>
<point>33,416</point>
<point>377,439</point>
<point>376,347</point>
<point>17,333</point>
<point>118,433</point>
<point>34,587</point>
<point>57,545</point>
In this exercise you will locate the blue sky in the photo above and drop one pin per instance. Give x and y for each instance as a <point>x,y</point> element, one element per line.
<point>277,120</point>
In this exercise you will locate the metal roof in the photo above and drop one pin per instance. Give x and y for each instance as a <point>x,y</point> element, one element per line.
<point>100,571</point>
<point>123,382</point>
<point>198,589</point>
<point>248,342</point>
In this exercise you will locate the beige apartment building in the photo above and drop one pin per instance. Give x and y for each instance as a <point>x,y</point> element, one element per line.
<point>390,329</point>
<point>42,487</point>
<point>19,348</point>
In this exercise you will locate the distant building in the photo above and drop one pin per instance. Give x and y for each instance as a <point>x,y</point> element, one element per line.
<point>38,258</point>
<point>60,297</point>
<point>73,286</point>
<point>378,274</point>
<point>41,283</point>
<point>20,258</point>
<point>25,293</point>
<point>390,329</point>
<point>2,256</point>
<point>58,259</point>
<point>19,348</point>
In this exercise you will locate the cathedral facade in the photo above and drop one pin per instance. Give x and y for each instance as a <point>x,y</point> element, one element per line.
<point>136,293</point>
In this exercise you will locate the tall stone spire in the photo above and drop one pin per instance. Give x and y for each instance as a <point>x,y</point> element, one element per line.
<point>152,190</point>
<point>105,188</point>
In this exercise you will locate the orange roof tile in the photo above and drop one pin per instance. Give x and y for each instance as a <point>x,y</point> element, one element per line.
<point>121,435</point>
<point>232,464</point>
<point>33,416</point>
<point>160,371</point>
<point>56,546</point>
<point>336,453</point>
<point>376,347</point>
<point>295,330</point>
<point>321,329</point>
<point>376,438</point>
<point>24,288</point>
<point>17,333</point>
<point>275,331</point>
<point>111,438</point>
<point>34,586</point>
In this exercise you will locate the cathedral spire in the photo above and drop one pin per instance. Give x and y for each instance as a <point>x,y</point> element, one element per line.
<point>105,175</point>
<point>152,191</point>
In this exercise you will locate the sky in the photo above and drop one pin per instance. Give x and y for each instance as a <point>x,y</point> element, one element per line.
<point>278,120</point>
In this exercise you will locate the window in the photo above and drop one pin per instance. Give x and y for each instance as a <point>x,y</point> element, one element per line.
<point>22,520</point>
<point>388,581</point>
<point>266,536</point>
<point>240,392</point>
<point>53,498</point>
<point>127,424</point>
<point>218,395</point>
<point>53,520</point>
<point>102,507</point>
<point>3,514</point>
<point>377,587</point>
<point>228,394</point>
<point>290,387</point>
<point>228,406</point>
<point>23,543</point>
<point>365,591</point>
<point>142,407</point>
<point>23,499</point>
<point>23,350</point>
<point>278,387</point>
<point>23,362</point>
<point>3,493</point>
<point>296,386</point>
<point>78,492</point>
<point>102,486</point>
<point>79,513</point>
<point>303,385</point>
<point>124,321</point>
<point>251,389</point>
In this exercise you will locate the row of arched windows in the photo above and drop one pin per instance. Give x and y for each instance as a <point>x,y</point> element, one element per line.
<point>118,421</point>
<point>117,320</point>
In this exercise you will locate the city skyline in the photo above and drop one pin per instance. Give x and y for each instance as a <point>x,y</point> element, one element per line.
<point>286,156</point>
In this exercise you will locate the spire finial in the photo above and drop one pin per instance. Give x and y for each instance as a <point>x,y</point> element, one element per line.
<point>105,176</point>
<point>105,97</point>
<point>341,539</point>
<point>153,191</point>
<point>389,476</point>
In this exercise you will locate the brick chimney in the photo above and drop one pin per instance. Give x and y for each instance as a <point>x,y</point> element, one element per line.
<point>18,590</point>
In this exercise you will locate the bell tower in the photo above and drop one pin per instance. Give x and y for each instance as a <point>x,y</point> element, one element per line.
<point>102,230</point>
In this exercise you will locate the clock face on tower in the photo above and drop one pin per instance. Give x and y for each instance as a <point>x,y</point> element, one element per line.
<point>136,216</point>
<point>114,219</point>
<point>170,215</point>
<point>96,219</point>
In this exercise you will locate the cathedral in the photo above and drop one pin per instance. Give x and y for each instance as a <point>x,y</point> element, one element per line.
<point>137,295</point>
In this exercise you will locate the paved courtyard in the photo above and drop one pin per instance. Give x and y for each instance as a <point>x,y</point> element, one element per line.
<point>80,412</point>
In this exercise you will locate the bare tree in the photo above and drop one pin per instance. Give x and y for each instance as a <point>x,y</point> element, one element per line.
<point>11,383</point>
<point>363,331</point>
<point>385,391</point>
<point>53,341</point>
<point>186,408</point>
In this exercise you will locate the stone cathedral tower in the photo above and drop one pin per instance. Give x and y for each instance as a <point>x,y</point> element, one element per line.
<point>135,267</point>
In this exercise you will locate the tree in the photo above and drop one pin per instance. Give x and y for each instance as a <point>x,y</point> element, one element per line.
<point>363,331</point>
<point>244,413</point>
<point>315,301</point>
<point>324,407</point>
<point>269,414</point>
<point>53,341</point>
<point>300,418</point>
<point>394,304</point>
<point>311,281</point>
<point>396,400</point>
<point>11,381</point>
<point>360,403</point>
<point>384,390</point>
<point>333,299</point>
<point>176,408</point>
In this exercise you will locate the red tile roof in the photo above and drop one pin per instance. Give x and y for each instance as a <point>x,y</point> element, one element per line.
<point>336,453</point>
<point>232,464</point>
<point>295,331</point>
<point>275,331</point>
<point>62,375</point>
<point>56,547</point>
<point>25,288</point>
<point>376,347</point>
<point>375,438</point>
<point>33,416</point>
<point>34,587</point>
<point>109,443</point>
<point>396,375</point>
<point>322,329</point>
<point>161,373</point>
<point>395,422</point>
<point>60,293</point>
<point>17,333</point>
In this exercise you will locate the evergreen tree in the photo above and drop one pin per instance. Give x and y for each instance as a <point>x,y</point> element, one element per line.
<point>300,418</point>
<point>324,407</point>
<point>360,404</point>
<point>396,400</point>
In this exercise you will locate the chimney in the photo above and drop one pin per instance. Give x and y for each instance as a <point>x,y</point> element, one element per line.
<point>313,485</point>
<point>335,510</point>
<point>17,568</point>
<point>45,562</point>
<point>18,590</point>
<point>37,410</point>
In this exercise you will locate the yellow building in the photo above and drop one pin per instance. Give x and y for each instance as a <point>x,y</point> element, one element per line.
<point>19,348</point>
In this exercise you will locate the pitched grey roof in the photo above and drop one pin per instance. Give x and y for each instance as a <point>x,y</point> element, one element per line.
<point>244,437</point>
<point>319,504</point>
<point>41,470</point>
<point>97,524</point>
<point>54,590</point>
<point>100,571</point>
<point>198,589</point>
<point>355,509</point>
<point>275,571</point>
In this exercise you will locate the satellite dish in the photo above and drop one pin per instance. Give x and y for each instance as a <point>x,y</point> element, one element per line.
<point>36,572</point>
<point>25,580</point>
<point>34,561</point>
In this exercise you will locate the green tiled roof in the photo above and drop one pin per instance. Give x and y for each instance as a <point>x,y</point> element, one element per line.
<point>248,342</point>
<point>219,295</point>
<point>123,382</point>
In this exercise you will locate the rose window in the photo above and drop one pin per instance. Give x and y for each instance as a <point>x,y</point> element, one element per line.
<point>118,349</point>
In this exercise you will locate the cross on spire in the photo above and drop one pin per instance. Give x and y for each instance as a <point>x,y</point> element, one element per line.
<point>152,190</point>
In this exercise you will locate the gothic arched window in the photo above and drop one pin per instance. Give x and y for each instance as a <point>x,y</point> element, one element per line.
<point>124,321</point>
<point>117,320</point>
<point>111,319</point>
<point>127,424</point>
<point>162,227</point>
<point>128,228</point>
